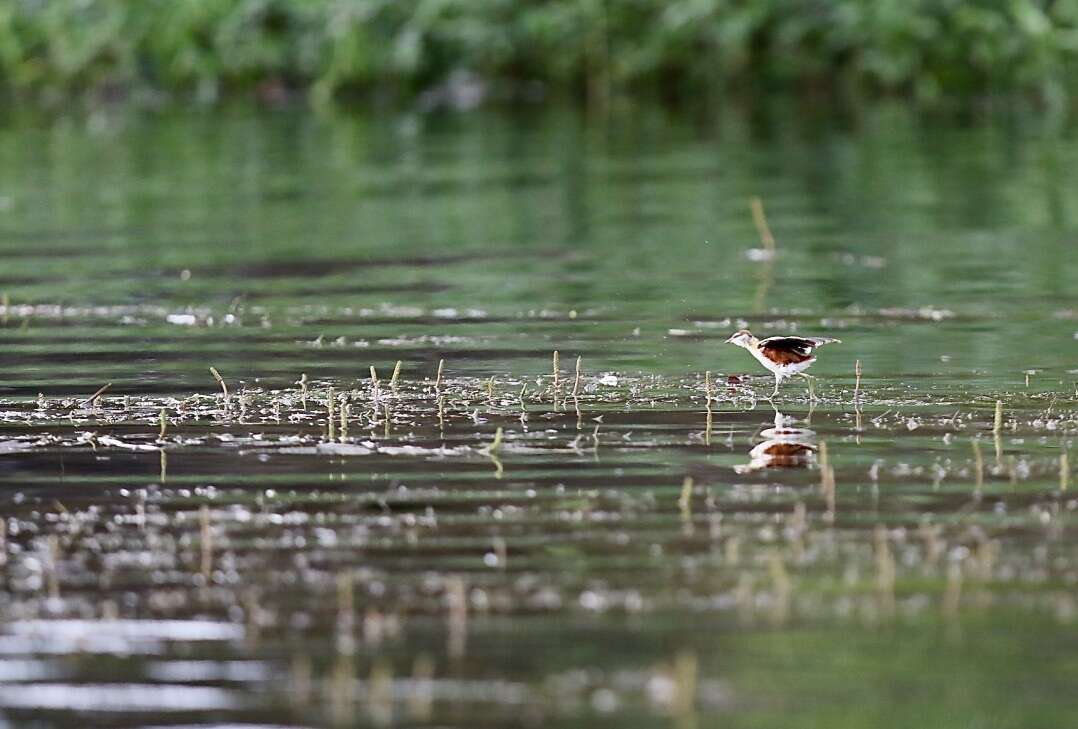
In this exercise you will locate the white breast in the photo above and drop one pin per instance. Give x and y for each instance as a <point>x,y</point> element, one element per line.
<point>784,370</point>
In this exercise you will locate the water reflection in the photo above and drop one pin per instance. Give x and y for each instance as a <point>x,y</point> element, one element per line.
<point>785,445</point>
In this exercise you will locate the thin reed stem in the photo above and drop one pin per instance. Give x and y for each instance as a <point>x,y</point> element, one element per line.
<point>221,382</point>
<point>762,228</point>
<point>89,402</point>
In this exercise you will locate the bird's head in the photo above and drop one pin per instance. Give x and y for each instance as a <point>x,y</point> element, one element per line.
<point>742,338</point>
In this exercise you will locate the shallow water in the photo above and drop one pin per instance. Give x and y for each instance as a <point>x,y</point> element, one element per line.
<point>899,563</point>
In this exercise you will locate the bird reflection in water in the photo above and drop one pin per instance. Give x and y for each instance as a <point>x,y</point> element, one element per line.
<point>784,446</point>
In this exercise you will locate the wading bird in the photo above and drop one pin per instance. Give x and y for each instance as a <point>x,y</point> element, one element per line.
<point>783,356</point>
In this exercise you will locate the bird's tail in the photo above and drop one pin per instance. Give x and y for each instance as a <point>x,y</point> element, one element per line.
<point>820,341</point>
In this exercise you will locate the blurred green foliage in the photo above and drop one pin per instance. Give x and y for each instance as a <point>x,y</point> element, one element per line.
<point>932,48</point>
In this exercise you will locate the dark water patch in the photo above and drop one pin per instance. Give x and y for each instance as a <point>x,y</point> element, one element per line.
<point>306,268</point>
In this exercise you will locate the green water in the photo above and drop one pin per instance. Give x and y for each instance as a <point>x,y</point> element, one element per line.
<point>409,577</point>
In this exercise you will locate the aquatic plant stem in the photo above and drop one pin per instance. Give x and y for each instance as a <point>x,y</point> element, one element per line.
<point>496,445</point>
<point>997,427</point>
<point>827,482</point>
<point>762,228</point>
<point>221,382</point>
<point>978,466</point>
<point>457,603</point>
<point>396,376</point>
<point>684,501</point>
<point>331,431</point>
<point>90,401</point>
<point>885,573</point>
<point>205,541</point>
<point>557,377</point>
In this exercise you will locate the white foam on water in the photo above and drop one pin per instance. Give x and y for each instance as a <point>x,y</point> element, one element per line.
<point>192,671</point>
<point>117,697</point>
<point>126,629</point>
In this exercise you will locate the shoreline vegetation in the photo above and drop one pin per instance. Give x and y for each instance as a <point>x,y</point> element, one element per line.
<point>461,54</point>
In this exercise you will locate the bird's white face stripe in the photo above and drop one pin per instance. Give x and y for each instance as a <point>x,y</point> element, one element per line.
<point>740,338</point>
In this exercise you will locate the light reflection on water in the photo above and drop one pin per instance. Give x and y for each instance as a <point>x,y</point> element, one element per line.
<point>109,698</point>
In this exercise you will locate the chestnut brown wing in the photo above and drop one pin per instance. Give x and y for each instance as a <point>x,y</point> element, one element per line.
<point>787,350</point>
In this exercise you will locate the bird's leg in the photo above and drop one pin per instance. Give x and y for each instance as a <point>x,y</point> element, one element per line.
<point>778,381</point>
<point>811,383</point>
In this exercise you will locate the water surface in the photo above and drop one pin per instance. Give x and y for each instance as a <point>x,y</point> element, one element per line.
<point>897,563</point>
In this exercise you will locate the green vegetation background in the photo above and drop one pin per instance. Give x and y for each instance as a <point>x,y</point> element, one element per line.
<point>56,49</point>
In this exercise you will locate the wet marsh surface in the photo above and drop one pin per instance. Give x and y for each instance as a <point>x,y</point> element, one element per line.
<point>477,542</point>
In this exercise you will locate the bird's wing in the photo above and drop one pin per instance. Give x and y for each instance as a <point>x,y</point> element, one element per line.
<point>787,350</point>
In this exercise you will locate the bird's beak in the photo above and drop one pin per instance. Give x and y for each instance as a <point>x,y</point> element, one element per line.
<point>730,340</point>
